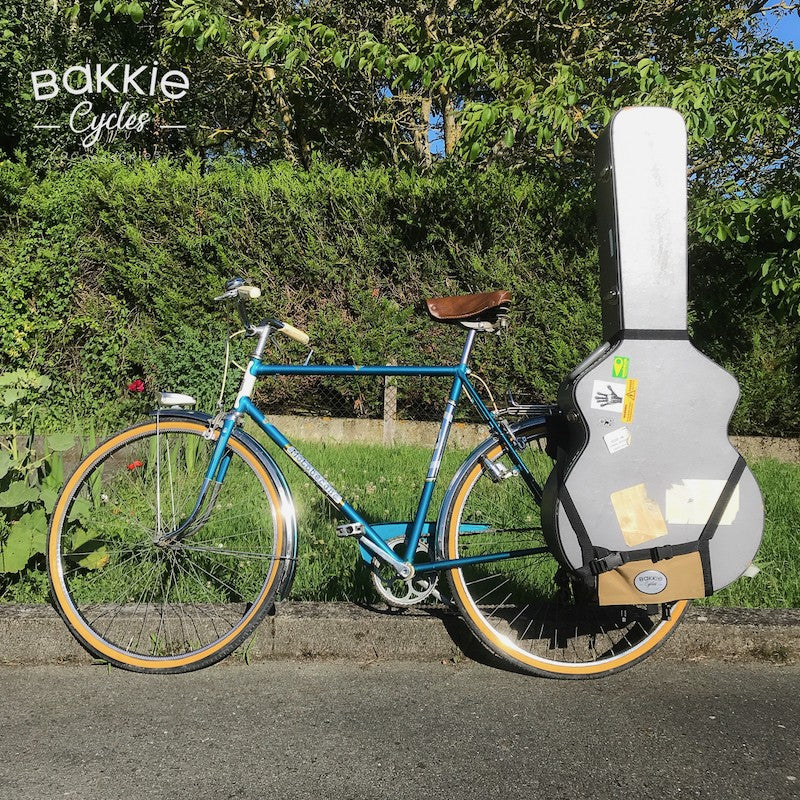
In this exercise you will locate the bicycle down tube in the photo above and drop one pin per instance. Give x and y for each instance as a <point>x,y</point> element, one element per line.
<point>370,539</point>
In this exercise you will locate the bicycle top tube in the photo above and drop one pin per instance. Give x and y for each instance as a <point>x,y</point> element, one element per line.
<point>260,369</point>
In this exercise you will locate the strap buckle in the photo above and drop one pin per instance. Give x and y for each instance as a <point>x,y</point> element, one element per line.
<point>662,553</point>
<point>600,565</point>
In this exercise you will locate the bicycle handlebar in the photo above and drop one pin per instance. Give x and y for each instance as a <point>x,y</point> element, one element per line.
<point>294,333</point>
<point>249,292</point>
<point>241,292</point>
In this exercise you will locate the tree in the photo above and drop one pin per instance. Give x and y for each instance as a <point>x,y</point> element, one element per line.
<point>530,86</point>
<point>479,82</point>
<point>50,35</point>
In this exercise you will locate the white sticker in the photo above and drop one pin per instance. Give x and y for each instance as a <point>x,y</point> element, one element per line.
<point>617,440</point>
<point>692,501</point>
<point>608,396</point>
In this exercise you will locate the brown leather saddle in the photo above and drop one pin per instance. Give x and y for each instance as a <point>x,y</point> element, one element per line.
<point>487,309</point>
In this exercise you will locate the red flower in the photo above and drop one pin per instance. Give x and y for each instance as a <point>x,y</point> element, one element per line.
<point>135,464</point>
<point>136,386</point>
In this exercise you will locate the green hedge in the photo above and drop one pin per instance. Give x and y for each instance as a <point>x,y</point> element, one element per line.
<point>109,270</point>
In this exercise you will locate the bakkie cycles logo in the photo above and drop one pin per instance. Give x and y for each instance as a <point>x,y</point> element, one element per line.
<point>116,79</point>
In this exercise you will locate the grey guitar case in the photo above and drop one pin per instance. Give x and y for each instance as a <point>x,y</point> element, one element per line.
<point>649,501</point>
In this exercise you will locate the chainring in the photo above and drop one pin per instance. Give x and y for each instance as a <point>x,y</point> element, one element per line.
<point>400,592</point>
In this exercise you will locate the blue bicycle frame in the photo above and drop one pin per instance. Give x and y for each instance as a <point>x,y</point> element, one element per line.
<point>369,538</point>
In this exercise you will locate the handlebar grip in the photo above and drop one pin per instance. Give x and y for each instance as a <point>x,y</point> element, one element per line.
<point>249,292</point>
<point>294,333</point>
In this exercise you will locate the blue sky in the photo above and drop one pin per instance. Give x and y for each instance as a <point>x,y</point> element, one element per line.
<point>787,28</point>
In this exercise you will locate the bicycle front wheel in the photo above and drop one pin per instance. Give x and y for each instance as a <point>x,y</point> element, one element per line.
<point>145,601</point>
<point>525,609</point>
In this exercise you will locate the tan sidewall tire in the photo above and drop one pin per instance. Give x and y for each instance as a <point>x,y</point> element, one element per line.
<point>204,656</point>
<point>500,645</point>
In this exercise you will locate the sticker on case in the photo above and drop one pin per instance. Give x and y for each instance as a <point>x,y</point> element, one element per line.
<point>620,367</point>
<point>691,502</point>
<point>608,396</point>
<point>639,516</point>
<point>617,440</point>
<point>628,404</point>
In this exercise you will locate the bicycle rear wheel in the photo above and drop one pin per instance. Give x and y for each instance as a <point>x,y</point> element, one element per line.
<point>525,610</point>
<point>158,606</point>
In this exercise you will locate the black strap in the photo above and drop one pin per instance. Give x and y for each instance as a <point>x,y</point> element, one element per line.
<point>705,563</point>
<point>722,501</point>
<point>657,334</point>
<point>617,558</point>
<point>587,551</point>
<point>710,528</point>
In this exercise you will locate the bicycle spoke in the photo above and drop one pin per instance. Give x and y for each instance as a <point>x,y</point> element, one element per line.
<point>219,551</point>
<point>526,608</point>
<point>154,602</point>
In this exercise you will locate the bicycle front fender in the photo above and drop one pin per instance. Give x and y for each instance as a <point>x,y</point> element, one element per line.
<point>287,506</point>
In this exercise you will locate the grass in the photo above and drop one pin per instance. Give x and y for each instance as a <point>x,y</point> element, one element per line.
<point>327,569</point>
<point>384,484</point>
<point>777,585</point>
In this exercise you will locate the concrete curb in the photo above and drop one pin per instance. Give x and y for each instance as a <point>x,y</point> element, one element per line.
<point>35,635</point>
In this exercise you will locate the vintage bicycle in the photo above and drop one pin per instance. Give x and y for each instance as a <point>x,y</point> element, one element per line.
<point>172,539</point>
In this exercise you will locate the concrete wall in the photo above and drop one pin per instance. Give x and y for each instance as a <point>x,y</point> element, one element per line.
<point>465,435</point>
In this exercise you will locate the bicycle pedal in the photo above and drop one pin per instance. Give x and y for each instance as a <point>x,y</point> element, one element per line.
<point>349,529</point>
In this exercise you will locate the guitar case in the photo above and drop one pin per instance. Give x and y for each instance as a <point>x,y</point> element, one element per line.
<point>648,502</point>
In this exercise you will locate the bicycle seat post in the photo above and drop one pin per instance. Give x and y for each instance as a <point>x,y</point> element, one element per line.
<point>467,347</point>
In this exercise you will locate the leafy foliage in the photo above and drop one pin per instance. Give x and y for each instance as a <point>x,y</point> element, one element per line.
<point>108,271</point>
<point>108,274</point>
<point>529,85</point>
<point>29,480</point>
<point>487,82</point>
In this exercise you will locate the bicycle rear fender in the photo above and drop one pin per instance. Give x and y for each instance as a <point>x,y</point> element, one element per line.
<point>274,471</point>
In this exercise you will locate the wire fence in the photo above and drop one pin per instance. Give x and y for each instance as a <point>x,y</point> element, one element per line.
<point>400,398</point>
<point>417,399</point>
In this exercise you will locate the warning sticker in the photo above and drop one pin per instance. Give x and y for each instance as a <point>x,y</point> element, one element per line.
<point>617,440</point>
<point>628,404</point>
<point>620,367</point>
<point>608,396</point>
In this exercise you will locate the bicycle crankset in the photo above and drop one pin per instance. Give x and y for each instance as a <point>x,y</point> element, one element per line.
<point>399,592</point>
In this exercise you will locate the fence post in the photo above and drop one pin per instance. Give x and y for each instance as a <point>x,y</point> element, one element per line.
<point>389,405</point>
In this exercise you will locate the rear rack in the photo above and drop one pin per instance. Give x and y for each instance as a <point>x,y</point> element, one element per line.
<point>515,409</point>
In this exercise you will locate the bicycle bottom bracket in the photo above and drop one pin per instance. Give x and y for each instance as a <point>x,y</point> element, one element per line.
<point>403,592</point>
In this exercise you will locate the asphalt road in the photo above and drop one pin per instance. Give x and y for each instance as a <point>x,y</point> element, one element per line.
<point>313,729</point>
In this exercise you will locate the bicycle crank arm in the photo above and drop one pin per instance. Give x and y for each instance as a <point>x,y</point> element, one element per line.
<point>403,569</point>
